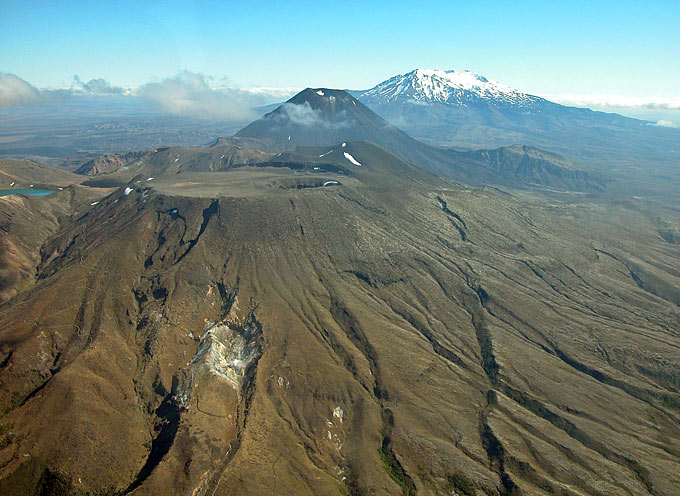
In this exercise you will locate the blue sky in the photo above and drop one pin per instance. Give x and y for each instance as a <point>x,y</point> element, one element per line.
<point>546,48</point>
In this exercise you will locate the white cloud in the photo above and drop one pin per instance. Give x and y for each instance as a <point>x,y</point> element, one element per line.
<point>273,94</point>
<point>665,123</point>
<point>96,86</point>
<point>16,91</point>
<point>305,115</point>
<point>188,94</point>
<point>616,101</point>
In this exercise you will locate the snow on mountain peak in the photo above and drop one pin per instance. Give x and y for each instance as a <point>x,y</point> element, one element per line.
<point>450,87</point>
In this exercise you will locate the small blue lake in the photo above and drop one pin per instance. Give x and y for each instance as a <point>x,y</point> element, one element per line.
<point>25,191</point>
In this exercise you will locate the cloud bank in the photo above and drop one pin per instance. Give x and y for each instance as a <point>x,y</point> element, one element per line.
<point>16,91</point>
<point>665,123</point>
<point>97,86</point>
<point>188,94</point>
<point>617,101</point>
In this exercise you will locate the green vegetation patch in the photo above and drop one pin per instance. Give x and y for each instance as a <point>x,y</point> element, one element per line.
<point>394,469</point>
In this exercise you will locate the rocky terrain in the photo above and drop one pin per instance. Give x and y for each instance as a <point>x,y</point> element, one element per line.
<point>336,320</point>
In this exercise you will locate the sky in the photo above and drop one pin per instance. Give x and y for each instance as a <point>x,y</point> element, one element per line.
<point>574,51</point>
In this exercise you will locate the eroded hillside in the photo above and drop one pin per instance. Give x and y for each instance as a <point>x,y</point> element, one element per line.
<point>390,334</point>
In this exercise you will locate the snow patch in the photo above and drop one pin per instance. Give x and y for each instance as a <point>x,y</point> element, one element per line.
<point>93,203</point>
<point>344,145</point>
<point>352,159</point>
<point>127,191</point>
<point>320,93</point>
<point>330,183</point>
<point>150,179</point>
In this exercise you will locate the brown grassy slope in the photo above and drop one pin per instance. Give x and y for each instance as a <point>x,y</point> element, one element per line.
<point>26,222</point>
<point>25,172</point>
<point>470,338</point>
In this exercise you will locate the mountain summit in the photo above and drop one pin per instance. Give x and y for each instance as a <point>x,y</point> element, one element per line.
<point>449,87</point>
<point>321,116</point>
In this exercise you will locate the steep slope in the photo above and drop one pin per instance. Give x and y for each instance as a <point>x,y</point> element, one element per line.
<point>323,116</point>
<point>316,117</point>
<point>448,108</point>
<point>26,222</point>
<point>390,334</point>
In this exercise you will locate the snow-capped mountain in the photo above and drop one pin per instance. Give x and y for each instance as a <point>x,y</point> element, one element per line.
<point>467,110</point>
<point>449,87</point>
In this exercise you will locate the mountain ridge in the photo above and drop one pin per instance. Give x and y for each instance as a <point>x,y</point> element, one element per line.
<point>602,142</point>
<point>321,116</point>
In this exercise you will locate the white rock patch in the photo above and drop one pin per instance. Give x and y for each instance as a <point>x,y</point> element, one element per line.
<point>339,413</point>
<point>224,353</point>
